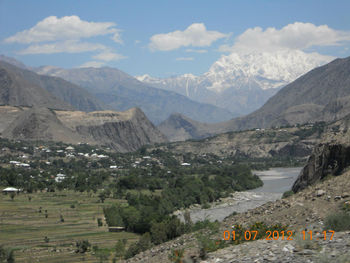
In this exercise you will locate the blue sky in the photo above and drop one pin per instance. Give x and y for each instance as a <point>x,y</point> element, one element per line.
<point>164,38</point>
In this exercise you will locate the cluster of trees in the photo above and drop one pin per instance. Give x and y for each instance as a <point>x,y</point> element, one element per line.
<point>150,214</point>
<point>6,255</point>
<point>198,184</point>
<point>33,180</point>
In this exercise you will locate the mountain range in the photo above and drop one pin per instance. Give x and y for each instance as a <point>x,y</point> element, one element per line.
<point>322,94</point>
<point>242,82</point>
<point>120,91</point>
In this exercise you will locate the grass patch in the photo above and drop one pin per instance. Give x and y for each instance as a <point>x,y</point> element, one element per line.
<point>287,194</point>
<point>338,222</point>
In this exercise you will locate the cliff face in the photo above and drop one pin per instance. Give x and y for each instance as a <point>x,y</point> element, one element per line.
<point>326,159</point>
<point>122,131</point>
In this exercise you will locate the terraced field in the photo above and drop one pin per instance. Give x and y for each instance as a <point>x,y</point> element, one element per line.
<point>24,228</point>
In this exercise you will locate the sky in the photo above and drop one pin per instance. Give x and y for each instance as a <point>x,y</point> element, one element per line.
<point>164,38</point>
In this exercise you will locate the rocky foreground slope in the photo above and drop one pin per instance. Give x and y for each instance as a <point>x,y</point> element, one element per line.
<point>122,131</point>
<point>304,210</point>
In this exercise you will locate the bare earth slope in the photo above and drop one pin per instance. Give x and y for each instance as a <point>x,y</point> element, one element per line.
<point>180,128</point>
<point>39,124</point>
<point>122,131</point>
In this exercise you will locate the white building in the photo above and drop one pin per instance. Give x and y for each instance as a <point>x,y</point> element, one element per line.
<point>22,165</point>
<point>60,177</point>
<point>11,190</point>
<point>69,148</point>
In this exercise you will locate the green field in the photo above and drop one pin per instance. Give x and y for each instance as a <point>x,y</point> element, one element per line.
<point>24,228</point>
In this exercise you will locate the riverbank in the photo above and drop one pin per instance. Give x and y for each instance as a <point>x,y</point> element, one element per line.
<point>276,182</point>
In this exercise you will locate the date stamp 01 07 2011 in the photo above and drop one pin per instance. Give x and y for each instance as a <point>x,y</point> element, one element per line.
<point>250,235</point>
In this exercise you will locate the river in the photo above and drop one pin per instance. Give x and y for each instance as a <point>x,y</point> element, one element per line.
<point>276,182</point>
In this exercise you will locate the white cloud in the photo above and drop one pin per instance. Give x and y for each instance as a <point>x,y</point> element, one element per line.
<point>184,59</point>
<point>69,34</point>
<point>299,36</point>
<point>196,50</point>
<point>69,46</point>
<point>66,28</point>
<point>195,35</point>
<point>108,56</point>
<point>92,64</point>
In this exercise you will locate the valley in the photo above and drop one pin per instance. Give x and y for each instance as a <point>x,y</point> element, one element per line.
<point>120,186</point>
<point>174,132</point>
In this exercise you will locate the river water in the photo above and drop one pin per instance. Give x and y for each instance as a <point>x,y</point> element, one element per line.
<point>276,182</point>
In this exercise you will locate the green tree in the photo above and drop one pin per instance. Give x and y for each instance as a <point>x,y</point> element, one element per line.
<point>6,255</point>
<point>113,216</point>
<point>159,233</point>
<point>101,254</point>
<point>131,217</point>
<point>102,196</point>
<point>120,248</point>
<point>12,195</point>
<point>82,246</point>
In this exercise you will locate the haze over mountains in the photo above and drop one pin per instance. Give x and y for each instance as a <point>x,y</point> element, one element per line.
<point>121,91</point>
<point>320,95</point>
<point>242,82</point>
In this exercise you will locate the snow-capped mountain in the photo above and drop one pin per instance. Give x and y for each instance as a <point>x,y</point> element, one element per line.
<point>242,82</point>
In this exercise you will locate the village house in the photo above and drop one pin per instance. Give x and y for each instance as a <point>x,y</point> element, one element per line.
<point>9,190</point>
<point>60,177</point>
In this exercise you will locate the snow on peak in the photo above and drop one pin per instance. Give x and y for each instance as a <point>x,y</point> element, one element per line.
<point>144,78</point>
<point>267,69</point>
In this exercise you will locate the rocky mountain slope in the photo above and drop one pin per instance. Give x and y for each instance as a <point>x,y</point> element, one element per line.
<point>122,131</point>
<point>242,82</point>
<point>17,89</point>
<point>330,158</point>
<point>320,95</point>
<point>38,124</point>
<point>260,143</point>
<point>180,128</point>
<point>326,160</point>
<point>21,87</point>
<point>121,91</point>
